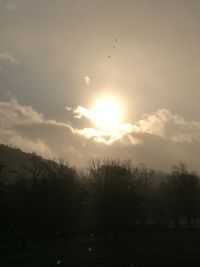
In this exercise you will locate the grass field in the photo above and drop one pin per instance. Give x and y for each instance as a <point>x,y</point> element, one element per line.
<point>138,250</point>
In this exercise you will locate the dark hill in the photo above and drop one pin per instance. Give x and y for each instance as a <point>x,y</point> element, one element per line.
<point>12,159</point>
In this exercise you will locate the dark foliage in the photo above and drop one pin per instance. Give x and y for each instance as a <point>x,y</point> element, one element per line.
<point>50,202</point>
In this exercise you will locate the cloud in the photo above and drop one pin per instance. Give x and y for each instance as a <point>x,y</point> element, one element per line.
<point>102,135</point>
<point>12,113</point>
<point>155,124</point>
<point>87,80</point>
<point>165,124</point>
<point>186,138</point>
<point>162,123</point>
<point>158,140</point>
<point>81,112</point>
<point>26,128</point>
<point>68,108</point>
<point>8,57</point>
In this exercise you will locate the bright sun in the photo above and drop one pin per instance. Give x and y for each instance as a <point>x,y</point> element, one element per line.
<point>106,114</point>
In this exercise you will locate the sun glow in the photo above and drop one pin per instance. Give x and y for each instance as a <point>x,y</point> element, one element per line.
<point>106,114</point>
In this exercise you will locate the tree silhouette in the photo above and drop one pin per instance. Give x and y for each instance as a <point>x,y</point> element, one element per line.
<point>48,201</point>
<point>109,181</point>
<point>183,195</point>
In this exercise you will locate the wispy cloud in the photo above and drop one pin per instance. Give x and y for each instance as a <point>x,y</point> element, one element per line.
<point>12,113</point>
<point>9,57</point>
<point>68,108</point>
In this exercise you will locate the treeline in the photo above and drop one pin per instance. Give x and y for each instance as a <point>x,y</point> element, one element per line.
<point>51,202</point>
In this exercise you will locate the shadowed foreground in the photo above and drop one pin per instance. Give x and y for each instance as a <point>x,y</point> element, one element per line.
<point>113,214</point>
<point>158,249</point>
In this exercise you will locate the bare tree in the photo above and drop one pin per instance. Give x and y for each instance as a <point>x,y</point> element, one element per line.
<point>109,181</point>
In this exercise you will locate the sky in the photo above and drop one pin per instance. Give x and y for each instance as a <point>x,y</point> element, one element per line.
<point>57,57</point>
